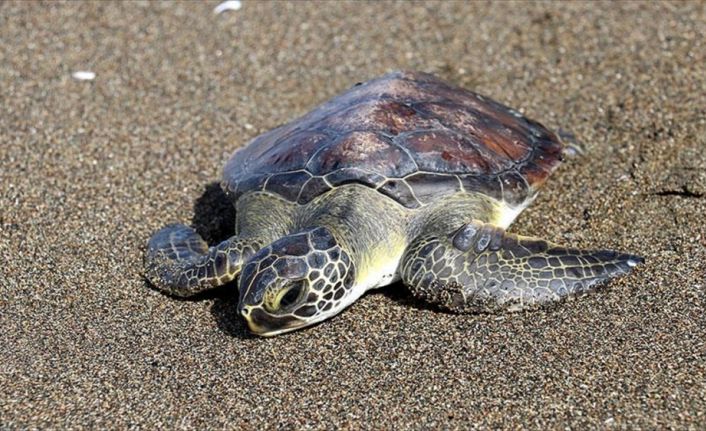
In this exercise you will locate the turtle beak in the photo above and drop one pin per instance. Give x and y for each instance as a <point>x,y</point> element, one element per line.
<point>265,324</point>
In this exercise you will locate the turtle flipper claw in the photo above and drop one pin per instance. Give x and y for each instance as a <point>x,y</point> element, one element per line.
<point>179,262</point>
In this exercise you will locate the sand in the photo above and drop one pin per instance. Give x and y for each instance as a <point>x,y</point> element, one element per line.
<point>90,167</point>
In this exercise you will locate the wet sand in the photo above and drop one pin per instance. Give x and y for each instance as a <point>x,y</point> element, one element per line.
<point>90,168</point>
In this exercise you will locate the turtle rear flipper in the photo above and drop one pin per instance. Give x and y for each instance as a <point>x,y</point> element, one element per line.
<point>480,267</point>
<point>179,261</point>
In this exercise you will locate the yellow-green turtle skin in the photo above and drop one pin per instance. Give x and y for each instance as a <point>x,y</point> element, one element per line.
<point>403,177</point>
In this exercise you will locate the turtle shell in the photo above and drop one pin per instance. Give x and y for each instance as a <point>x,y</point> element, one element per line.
<point>408,135</point>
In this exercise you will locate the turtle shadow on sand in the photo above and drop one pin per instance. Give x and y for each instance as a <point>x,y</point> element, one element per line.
<point>401,294</point>
<point>225,311</point>
<point>214,220</point>
<point>214,214</point>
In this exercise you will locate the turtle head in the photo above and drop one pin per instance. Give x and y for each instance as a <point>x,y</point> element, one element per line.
<point>295,282</point>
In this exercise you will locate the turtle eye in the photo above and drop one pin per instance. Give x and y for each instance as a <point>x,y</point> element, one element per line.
<point>292,295</point>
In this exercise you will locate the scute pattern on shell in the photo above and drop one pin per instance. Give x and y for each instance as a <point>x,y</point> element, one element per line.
<point>409,135</point>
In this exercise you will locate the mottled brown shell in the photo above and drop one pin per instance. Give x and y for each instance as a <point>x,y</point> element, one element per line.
<point>408,135</point>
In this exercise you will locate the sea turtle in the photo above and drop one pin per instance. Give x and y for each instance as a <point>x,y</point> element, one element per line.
<point>403,177</point>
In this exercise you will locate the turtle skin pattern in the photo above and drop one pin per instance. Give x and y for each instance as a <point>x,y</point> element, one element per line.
<point>180,262</point>
<point>317,271</point>
<point>480,267</point>
<point>408,135</point>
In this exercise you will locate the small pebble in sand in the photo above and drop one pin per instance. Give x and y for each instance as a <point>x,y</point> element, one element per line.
<point>84,75</point>
<point>228,5</point>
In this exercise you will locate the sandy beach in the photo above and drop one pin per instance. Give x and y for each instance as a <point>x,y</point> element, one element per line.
<point>91,165</point>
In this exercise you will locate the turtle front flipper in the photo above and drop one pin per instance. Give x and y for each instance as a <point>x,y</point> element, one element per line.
<point>480,267</point>
<point>179,261</point>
